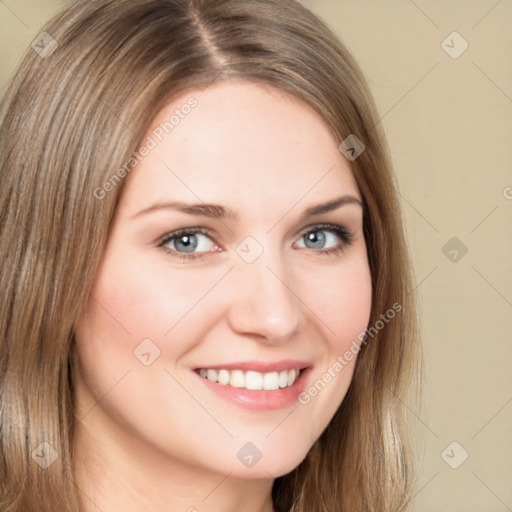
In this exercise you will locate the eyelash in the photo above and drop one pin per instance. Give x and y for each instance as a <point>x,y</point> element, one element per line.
<point>346,237</point>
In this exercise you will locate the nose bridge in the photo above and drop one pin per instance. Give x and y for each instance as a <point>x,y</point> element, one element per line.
<point>264,302</point>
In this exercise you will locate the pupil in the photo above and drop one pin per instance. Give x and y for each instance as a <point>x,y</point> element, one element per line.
<point>190,243</point>
<point>318,240</point>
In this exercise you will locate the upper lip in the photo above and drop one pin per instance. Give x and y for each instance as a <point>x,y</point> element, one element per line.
<point>259,366</point>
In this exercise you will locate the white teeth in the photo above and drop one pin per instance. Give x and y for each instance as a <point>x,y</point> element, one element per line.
<point>271,380</point>
<point>254,380</point>
<point>291,377</point>
<point>211,375</point>
<point>224,377</point>
<point>237,379</point>
<point>251,380</point>
<point>283,379</point>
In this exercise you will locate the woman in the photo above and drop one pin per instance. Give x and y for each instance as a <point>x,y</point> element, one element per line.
<point>206,289</point>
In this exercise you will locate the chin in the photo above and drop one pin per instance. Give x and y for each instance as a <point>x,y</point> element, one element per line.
<point>275,465</point>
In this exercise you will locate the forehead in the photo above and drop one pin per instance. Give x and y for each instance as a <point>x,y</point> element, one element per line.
<point>241,144</point>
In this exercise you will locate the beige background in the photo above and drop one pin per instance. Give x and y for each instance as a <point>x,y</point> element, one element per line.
<point>449,123</point>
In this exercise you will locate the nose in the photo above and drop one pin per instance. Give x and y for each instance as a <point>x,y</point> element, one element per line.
<point>263,300</point>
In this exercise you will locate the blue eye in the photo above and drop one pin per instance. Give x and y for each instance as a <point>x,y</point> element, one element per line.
<point>314,236</point>
<point>187,239</point>
<point>184,242</point>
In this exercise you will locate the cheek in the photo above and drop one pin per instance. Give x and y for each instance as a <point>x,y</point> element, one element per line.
<point>343,303</point>
<point>132,300</point>
<point>343,307</point>
<point>131,303</point>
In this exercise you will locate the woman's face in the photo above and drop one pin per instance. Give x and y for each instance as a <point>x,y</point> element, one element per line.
<point>254,286</point>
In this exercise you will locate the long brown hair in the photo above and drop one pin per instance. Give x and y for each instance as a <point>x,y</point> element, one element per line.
<point>74,113</point>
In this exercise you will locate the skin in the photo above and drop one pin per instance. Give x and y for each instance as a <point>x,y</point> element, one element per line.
<point>154,437</point>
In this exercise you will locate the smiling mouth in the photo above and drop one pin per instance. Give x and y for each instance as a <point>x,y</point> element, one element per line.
<point>251,380</point>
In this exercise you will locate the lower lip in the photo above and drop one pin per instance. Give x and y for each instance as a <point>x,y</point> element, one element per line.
<point>260,400</point>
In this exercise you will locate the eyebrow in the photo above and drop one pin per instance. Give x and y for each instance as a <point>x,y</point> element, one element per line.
<point>216,211</point>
